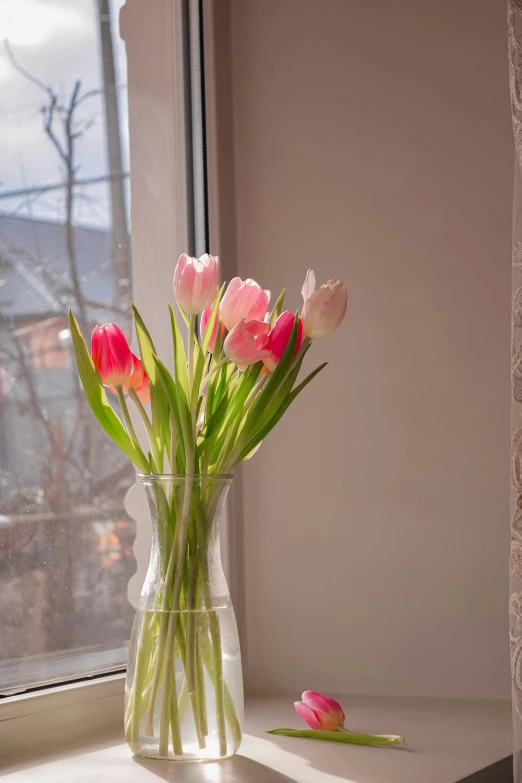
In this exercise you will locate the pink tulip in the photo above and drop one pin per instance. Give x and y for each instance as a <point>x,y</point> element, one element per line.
<point>320,712</point>
<point>196,282</point>
<point>6,383</point>
<point>323,310</point>
<point>205,315</point>
<point>111,355</point>
<point>243,299</point>
<point>279,337</point>
<point>245,343</point>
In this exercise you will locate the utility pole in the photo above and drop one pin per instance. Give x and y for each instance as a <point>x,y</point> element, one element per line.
<point>121,250</point>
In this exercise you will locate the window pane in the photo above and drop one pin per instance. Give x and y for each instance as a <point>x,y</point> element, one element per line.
<point>65,538</point>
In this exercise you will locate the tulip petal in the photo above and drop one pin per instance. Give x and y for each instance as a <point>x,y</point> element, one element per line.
<point>308,285</point>
<point>308,715</point>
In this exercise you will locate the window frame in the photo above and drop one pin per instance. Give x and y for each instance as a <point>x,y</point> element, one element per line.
<point>160,218</point>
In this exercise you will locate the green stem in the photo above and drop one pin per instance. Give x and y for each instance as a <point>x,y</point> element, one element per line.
<point>211,373</point>
<point>126,416</point>
<point>338,736</point>
<point>169,717</point>
<point>193,696</point>
<point>190,352</point>
<point>230,710</point>
<point>148,427</point>
<point>202,701</point>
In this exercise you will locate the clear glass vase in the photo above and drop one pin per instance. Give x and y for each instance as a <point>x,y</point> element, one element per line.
<point>184,693</point>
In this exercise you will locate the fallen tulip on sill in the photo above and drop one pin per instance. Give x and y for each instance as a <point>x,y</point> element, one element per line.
<point>326,718</point>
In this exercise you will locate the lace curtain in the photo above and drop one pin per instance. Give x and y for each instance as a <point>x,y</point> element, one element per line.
<point>515,565</point>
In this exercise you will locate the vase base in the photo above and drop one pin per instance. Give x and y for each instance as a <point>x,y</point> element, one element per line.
<point>199,757</point>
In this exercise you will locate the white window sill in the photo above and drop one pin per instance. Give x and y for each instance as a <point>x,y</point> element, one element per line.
<point>447,742</point>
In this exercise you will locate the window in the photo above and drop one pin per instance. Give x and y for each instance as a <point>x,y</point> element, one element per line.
<point>65,537</point>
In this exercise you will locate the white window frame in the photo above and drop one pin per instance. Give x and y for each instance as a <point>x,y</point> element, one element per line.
<point>93,709</point>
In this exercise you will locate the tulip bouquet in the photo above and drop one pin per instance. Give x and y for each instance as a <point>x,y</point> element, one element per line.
<point>232,382</point>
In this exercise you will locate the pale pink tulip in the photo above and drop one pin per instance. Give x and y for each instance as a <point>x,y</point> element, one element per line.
<point>6,383</point>
<point>279,337</point>
<point>205,315</point>
<point>244,299</point>
<point>245,343</point>
<point>111,355</point>
<point>320,712</point>
<point>324,309</point>
<point>196,282</point>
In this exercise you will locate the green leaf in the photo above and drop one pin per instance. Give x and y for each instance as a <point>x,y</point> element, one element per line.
<point>158,399</point>
<point>98,402</point>
<point>261,434</point>
<point>178,409</point>
<point>341,736</point>
<point>276,312</point>
<point>180,359</point>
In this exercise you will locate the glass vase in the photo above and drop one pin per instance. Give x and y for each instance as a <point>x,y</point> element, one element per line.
<point>184,692</point>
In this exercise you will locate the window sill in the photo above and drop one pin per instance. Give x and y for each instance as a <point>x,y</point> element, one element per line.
<point>38,726</point>
<point>448,741</point>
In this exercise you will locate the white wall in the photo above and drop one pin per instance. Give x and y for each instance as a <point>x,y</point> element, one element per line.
<point>373,143</point>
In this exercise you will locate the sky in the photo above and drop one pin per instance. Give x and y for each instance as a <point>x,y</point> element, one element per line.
<point>58,42</point>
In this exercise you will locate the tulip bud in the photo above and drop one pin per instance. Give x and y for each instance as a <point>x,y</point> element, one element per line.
<point>196,282</point>
<point>279,337</point>
<point>324,309</point>
<point>245,343</point>
<point>111,355</point>
<point>243,300</point>
<point>205,315</point>
<point>320,712</point>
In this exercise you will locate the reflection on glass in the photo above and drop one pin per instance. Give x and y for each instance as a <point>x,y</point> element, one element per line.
<point>65,539</point>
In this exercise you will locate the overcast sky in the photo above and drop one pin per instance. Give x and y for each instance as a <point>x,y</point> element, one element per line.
<point>57,41</point>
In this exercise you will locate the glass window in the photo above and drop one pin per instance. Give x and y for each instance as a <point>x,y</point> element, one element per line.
<point>65,537</point>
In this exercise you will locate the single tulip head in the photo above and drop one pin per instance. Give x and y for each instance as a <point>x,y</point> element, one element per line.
<point>111,355</point>
<point>245,343</point>
<point>279,336</point>
<point>196,282</point>
<point>244,299</point>
<point>320,712</point>
<point>324,309</point>
<point>205,315</point>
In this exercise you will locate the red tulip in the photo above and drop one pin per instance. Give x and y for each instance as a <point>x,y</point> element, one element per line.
<point>243,299</point>
<point>320,712</point>
<point>279,337</point>
<point>245,343</point>
<point>196,282</point>
<point>137,380</point>
<point>205,315</point>
<point>111,355</point>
